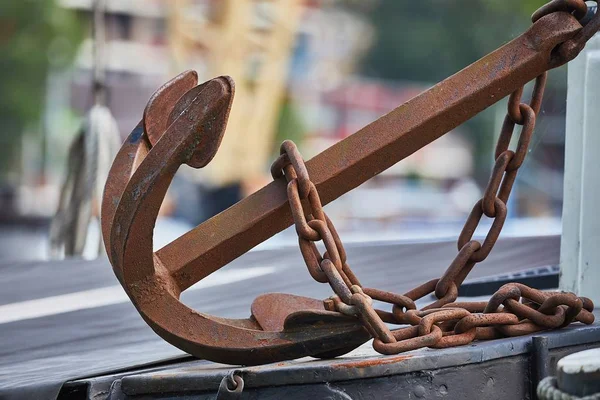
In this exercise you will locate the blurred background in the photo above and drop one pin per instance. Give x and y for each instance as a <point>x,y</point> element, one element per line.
<point>313,71</point>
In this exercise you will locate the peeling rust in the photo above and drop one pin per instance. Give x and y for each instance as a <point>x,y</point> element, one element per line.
<point>371,362</point>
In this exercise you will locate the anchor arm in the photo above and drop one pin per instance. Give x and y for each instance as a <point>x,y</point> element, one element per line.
<point>371,150</point>
<point>138,182</point>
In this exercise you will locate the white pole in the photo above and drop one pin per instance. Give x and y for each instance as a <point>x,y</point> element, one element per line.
<point>580,244</point>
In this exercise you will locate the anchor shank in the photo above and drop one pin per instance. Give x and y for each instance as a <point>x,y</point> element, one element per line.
<point>371,150</point>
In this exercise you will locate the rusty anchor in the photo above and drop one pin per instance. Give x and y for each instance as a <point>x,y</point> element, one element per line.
<point>184,123</point>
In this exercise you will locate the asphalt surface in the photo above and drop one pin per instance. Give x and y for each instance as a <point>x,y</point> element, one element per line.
<point>65,320</point>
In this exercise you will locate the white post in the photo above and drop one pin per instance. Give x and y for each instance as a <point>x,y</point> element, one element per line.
<point>580,244</point>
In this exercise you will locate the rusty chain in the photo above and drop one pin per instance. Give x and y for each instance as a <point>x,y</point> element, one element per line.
<point>513,310</point>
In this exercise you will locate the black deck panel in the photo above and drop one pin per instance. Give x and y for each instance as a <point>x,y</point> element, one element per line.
<point>491,370</point>
<point>38,355</point>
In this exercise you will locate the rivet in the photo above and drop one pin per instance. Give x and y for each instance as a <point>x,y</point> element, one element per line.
<point>443,390</point>
<point>420,391</point>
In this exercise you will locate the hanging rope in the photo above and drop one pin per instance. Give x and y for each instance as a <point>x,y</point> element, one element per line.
<point>90,157</point>
<point>99,86</point>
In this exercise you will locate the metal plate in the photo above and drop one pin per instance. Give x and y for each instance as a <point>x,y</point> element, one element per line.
<point>492,370</point>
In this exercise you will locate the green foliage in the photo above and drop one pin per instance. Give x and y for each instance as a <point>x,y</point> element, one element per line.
<point>429,40</point>
<point>289,126</point>
<point>34,36</point>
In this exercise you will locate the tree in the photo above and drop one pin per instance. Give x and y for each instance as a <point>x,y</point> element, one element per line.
<point>429,40</point>
<point>34,35</point>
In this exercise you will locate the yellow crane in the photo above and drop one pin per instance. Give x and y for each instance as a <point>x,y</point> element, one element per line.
<point>251,41</point>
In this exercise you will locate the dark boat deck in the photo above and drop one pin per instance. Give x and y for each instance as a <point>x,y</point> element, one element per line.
<point>80,323</point>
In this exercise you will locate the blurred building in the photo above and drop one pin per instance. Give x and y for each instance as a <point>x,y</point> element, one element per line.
<point>137,57</point>
<point>148,41</point>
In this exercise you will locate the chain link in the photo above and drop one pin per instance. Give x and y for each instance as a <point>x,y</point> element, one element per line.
<point>577,7</point>
<point>331,267</point>
<point>514,310</point>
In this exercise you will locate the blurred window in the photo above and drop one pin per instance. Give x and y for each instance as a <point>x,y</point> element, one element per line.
<point>123,26</point>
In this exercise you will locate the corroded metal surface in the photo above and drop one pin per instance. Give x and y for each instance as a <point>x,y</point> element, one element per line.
<point>137,184</point>
<point>443,323</point>
<point>184,123</point>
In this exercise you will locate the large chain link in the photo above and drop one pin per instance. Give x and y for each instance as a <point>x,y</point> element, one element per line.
<point>331,267</point>
<point>513,310</point>
<point>497,192</point>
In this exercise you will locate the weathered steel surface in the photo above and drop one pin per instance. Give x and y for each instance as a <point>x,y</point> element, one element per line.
<point>139,193</point>
<point>189,130</point>
<point>498,370</point>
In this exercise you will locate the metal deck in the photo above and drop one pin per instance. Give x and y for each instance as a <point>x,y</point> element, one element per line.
<point>501,369</point>
<point>43,352</point>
